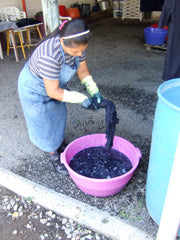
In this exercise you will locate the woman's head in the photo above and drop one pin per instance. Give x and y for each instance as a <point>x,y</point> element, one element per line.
<point>74,36</point>
<point>74,33</point>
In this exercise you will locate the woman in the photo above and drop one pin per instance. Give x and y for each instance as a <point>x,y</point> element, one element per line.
<point>42,83</point>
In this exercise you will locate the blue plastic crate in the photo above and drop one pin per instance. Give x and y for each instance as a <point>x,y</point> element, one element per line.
<point>155,36</point>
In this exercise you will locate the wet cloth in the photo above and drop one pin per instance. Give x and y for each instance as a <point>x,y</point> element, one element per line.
<point>45,117</point>
<point>111,118</point>
<point>170,16</point>
<point>151,5</point>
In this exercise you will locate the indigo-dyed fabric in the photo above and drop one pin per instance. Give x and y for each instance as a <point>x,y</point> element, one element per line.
<point>170,16</point>
<point>111,118</point>
<point>151,5</point>
<point>45,117</point>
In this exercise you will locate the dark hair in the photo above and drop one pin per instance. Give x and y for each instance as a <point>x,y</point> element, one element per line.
<point>69,28</point>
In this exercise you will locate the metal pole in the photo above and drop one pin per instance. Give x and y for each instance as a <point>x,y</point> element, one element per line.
<point>50,15</point>
<point>24,6</point>
<point>170,218</point>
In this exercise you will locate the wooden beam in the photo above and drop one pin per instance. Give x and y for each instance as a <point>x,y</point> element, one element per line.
<point>170,219</point>
<point>50,15</point>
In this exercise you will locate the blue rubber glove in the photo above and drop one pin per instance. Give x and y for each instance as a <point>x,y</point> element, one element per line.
<point>98,96</point>
<point>89,104</point>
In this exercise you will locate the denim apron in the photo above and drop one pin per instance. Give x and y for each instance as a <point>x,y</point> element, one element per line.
<point>45,117</point>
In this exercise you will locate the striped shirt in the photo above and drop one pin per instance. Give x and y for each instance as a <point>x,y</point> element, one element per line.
<point>47,59</point>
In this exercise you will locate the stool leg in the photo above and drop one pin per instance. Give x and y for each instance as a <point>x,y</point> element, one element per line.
<point>1,52</point>
<point>14,45</point>
<point>28,37</point>
<point>19,34</point>
<point>7,43</point>
<point>39,32</point>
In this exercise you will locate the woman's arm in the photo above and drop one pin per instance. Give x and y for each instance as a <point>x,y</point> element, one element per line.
<point>87,80</point>
<point>83,70</point>
<point>52,86</point>
<point>53,90</point>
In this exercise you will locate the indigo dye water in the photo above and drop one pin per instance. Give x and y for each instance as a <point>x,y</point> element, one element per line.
<point>100,163</point>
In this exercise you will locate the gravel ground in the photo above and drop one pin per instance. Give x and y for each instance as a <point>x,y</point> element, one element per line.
<point>21,219</point>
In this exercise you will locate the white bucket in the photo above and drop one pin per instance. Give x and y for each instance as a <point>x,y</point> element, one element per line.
<point>117,8</point>
<point>103,5</point>
<point>116,4</point>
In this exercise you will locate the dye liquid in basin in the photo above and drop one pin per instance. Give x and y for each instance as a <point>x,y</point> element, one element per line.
<point>100,163</point>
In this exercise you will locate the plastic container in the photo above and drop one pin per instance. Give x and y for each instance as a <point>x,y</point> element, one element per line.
<point>62,11</point>
<point>165,134</point>
<point>155,36</point>
<point>73,12</point>
<point>100,187</point>
<point>155,25</point>
<point>96,8</point>
<point>117,8</point>
<point>103,5</point>
<point>116,14</point>
<point>116,4</point>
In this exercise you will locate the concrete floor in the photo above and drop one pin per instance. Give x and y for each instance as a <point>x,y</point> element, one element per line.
<point>126,74</point>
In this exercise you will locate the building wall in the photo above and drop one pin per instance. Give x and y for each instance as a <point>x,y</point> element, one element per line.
<point>16,3</point>
<point>34,6</point>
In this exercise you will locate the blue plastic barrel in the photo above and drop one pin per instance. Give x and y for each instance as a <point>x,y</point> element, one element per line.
<point>165,134</point>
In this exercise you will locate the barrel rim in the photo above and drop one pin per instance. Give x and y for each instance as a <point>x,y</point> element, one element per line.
<point>166,86</point>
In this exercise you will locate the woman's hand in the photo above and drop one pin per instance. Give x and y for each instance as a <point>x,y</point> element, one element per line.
<point>87,80</point>
<point>92,88</point>
<point>90,85</point>
<point>73,97</point>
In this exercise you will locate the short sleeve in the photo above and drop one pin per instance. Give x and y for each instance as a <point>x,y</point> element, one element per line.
<point>49,68</point>
<point>83,56</point>
<point>47,59</point>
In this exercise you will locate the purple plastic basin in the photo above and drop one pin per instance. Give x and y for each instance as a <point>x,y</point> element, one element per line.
<point>101,187</point>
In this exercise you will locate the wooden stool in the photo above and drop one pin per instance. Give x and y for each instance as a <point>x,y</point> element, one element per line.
<point>28,28</point>
<point>10,32</point>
